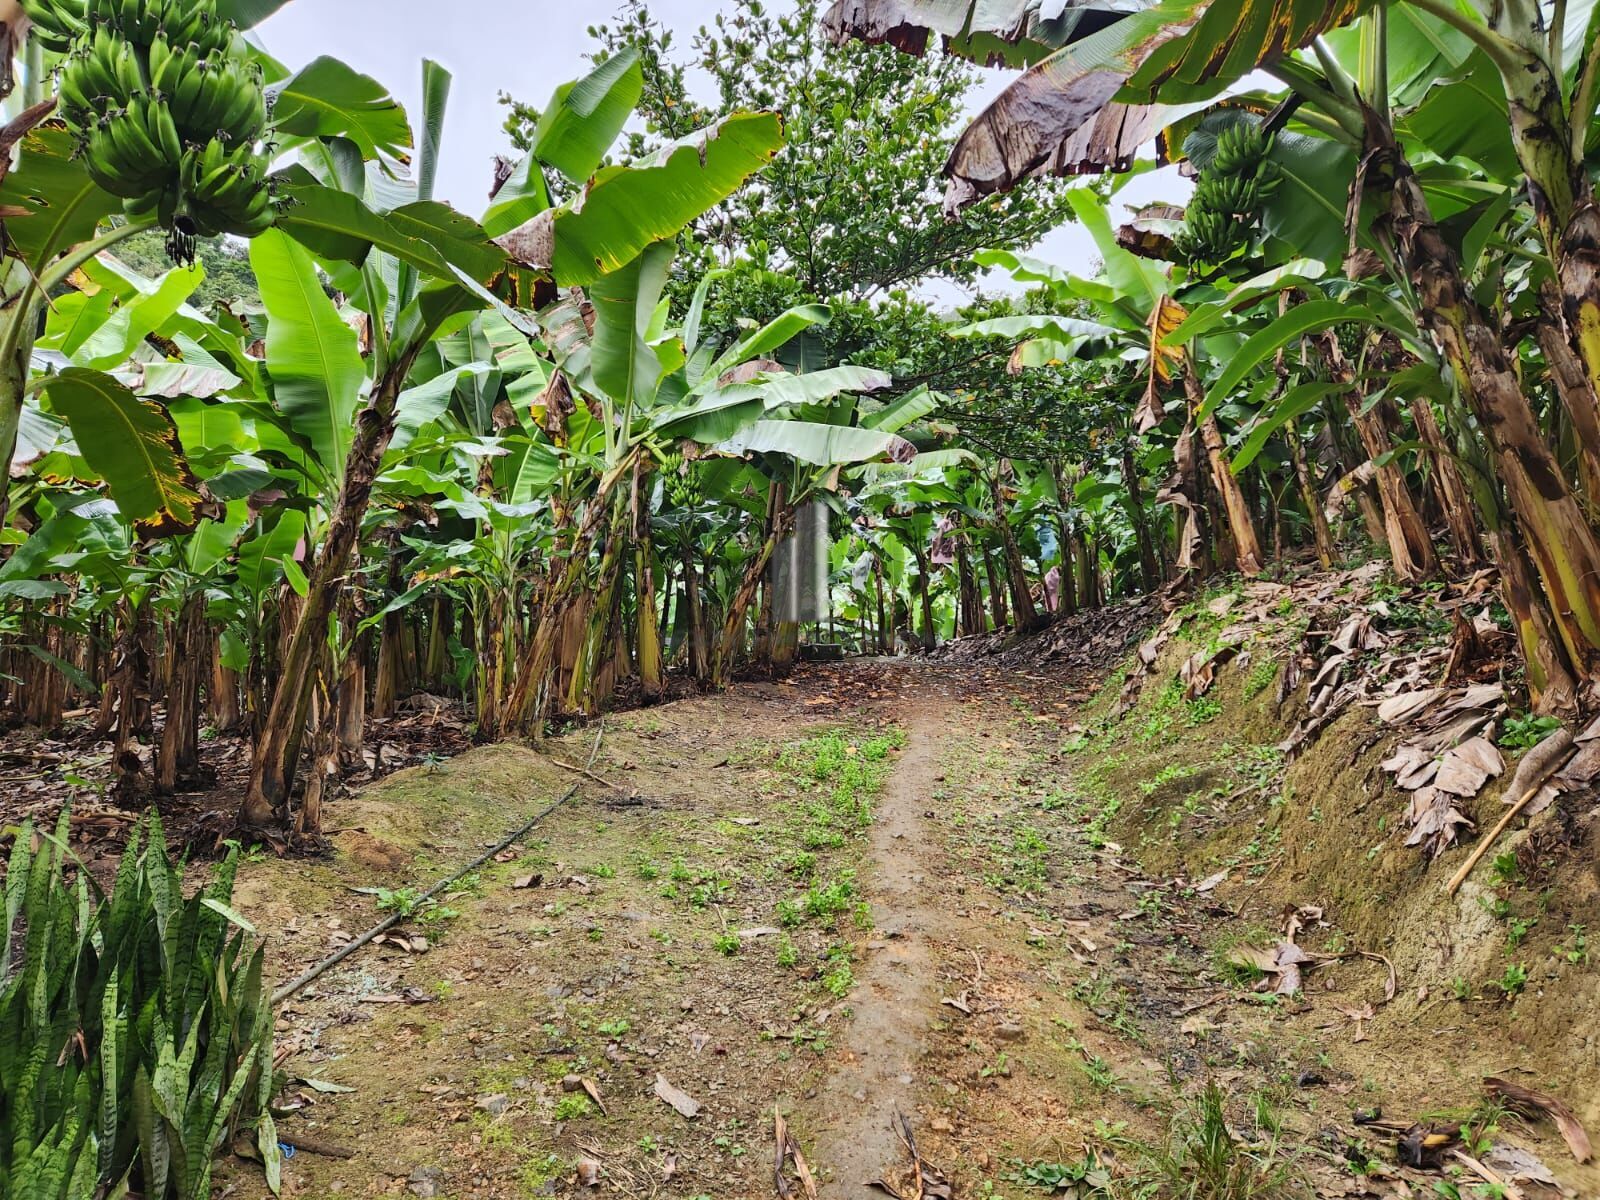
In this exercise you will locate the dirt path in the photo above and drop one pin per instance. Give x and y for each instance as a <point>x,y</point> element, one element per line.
<point>770,915</point>
<point>733,931</point>
<point>896,991</point>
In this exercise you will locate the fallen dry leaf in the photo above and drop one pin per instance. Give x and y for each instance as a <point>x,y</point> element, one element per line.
<point>686,1105</point>
<point>1572,1131</point>
<point>1518,1165</point>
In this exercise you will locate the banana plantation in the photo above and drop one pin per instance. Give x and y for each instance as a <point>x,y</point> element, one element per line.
<point>938,598</point>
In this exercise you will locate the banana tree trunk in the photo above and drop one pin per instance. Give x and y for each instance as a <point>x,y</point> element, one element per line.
<point>14,371</point>
<point>532,689</point>
<point>1549,519</point>
<point>881,629</point>
<point>489,638</point>
<point>130,689</point>
<point>1149,564</point>
<point>648,637</point>
<point>438,657</point>
<point>731,639</point>
<point>277,749</point>
<point>1246,547</point>
<point>592,679</point>
<point>1066,589</point>
<point>1411,554</point>
<point>1327,552</point>
<point>350,697</point>
<point>699,656</point>
<point>1577,394</point>
<point>391,653</point>
<point>997,591</point>
<point>924,593</point>
<point>324,760</point>
<point>43,687</point>
<point>1087,553</point>
<point>1016,575</point>
<point>1454,497</point>
<point>1568,219</point>
<point>970,608</point>
<point>222,696</point>
<point>784,647</point>
<point>178,754</point>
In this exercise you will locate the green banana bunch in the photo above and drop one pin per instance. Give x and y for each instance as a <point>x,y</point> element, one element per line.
<point>101,73</point>
<point>168,111</point>
<point>1221,216</point>
<point>56,22</point>
<point>213,97</point>
<point>134,150</point>
<point>224,191</point>
<point>1240,147</point>
<point>180,21</point>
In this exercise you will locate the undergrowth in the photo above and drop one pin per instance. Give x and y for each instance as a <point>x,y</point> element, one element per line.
<point>840,776</point>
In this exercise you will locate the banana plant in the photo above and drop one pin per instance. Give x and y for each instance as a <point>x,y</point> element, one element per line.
<point>1138,309</point>
<point>58,206</point>
<point>339,397</point>
<point>1178,52</point>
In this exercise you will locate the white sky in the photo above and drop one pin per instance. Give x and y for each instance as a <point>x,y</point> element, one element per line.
<point>526,48</point>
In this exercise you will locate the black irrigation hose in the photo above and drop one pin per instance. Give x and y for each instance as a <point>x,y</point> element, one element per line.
<point>349,948</point>
<point>345,951</point>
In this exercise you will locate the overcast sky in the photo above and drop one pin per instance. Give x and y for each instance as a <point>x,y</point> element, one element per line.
<point>526,48</point>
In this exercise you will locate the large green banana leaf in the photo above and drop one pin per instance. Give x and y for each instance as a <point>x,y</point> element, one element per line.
<point>626,208</point>
<point>261,558</point>
<point>721,414</point>
<point>424,235</point>
<point>133,445</point>
<point>153,304</point>
<point>327,98</point>
<point>314,364</point>
<point>818,444</point>
<point>584,117</point>
<point>63,204</point>
<point>621,361</point>
<point>776,333</point>
<point>576,129</point>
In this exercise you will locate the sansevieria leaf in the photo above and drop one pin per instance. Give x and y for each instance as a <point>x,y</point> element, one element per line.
<point>133,445</point>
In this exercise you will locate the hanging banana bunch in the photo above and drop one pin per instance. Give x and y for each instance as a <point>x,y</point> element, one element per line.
<point>1225,209</point>
<point>168,112</point>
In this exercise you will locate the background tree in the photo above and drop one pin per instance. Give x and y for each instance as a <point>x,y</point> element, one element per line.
<point>228,280</point>
<point>850,207</point>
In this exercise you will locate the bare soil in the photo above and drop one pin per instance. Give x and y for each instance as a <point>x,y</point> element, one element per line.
<point>1036,977</point>
<point>855,1127</point>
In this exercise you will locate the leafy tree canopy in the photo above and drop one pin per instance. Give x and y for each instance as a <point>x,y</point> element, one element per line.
<point>229,279</point>
<point>851,206</point>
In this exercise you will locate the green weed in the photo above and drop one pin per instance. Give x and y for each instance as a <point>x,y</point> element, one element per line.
<point>1202,1160</point>
<point>1523,731</point>
<point>1263,674</point>
<point>1574,948</point>
<point>1513,981</point>
<point>573,1106</point>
